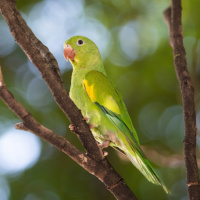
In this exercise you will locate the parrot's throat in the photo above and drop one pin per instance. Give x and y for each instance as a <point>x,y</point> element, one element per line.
<point>81,69</point>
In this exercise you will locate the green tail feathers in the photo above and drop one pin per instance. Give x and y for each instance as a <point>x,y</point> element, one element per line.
<point>144,166</point>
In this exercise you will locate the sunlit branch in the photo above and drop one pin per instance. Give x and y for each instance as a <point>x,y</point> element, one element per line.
<point>173,18</point>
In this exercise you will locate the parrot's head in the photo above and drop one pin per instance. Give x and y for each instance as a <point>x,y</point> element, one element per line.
<point>79,49</point>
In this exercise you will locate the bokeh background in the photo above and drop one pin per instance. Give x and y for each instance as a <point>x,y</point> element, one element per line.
<point>133,40</point>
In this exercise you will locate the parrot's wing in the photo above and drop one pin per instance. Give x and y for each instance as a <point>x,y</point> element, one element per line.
<point>102,92</point>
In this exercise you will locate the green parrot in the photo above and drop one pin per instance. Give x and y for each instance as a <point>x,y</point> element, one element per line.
<point>102,106</point>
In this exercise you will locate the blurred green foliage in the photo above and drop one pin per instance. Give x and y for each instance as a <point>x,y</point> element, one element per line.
<point>133,40</point>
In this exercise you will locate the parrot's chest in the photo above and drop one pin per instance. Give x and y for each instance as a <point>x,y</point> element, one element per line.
<point>102,129</point>
<point>88,108</point>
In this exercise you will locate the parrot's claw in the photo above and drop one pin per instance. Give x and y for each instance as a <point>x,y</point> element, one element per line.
<point>71,127</point>
<point>105,144</point>
<point>105,153</point>
<point>92,126</point>
<point>86,119</point>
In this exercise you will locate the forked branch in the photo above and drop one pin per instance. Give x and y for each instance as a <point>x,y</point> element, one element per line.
<point>93,161</point>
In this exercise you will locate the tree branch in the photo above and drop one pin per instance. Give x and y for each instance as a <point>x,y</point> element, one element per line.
<point>40,56</point>
<point>100,168</point>
<point>172,16</point>
<point>94,161</point>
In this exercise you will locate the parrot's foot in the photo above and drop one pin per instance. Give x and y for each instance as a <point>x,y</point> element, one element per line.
<point>105,153</point>
<point>71,127</point>
<point>92,126</point>
<point>105,144</point>
<point>86,119</point>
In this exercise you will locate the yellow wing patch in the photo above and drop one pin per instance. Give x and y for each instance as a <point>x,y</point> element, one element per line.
<point>97,94</point>
<point>89,90</point>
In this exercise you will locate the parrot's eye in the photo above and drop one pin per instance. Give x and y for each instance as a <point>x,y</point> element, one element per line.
<point>80,42</point>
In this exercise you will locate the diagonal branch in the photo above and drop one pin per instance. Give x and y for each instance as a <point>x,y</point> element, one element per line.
<point>48,67</point>
<point>101,169</point>
<point>172,16</point>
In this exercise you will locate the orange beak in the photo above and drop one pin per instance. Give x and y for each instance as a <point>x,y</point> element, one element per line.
<point>69,52</point>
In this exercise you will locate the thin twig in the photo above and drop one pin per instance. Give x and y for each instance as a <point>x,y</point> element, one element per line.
<point>172,16</point>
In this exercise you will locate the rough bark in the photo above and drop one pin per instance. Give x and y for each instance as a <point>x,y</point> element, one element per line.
<point>93,161</point>
<point>172,16</point>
